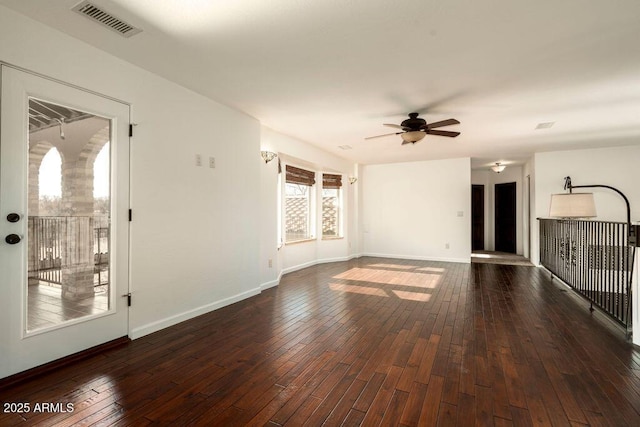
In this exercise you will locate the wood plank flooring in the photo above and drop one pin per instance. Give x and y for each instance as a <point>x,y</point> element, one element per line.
<point>367,342</point>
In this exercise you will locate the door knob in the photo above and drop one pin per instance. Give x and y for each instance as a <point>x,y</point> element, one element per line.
<point>13,217</point>
<point>12,239</point>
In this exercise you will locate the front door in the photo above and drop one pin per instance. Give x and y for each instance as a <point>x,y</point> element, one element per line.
<point>64,197</point>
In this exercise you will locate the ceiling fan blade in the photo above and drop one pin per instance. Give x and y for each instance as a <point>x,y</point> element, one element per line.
<point>442,133</point>
<point>393,126</point>
<point>442,123</point>
<point>386,134</point>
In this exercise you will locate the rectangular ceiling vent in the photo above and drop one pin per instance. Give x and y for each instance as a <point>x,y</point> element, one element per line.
<point>98,15</point>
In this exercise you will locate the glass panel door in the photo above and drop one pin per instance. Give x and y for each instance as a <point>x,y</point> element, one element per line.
<point>64,200</point>
<point>69,214</point>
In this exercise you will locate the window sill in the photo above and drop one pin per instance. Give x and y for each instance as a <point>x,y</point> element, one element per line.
<point>333,238</point>
<point>295,242</point>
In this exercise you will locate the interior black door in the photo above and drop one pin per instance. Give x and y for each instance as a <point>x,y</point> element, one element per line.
<point>505,217</point>
<point>477,217</point>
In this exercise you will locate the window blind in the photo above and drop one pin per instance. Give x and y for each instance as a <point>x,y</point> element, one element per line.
<point>300,176</point>
<point>331,181</point>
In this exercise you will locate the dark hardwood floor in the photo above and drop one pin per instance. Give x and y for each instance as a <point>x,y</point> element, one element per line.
<point>366,342</point>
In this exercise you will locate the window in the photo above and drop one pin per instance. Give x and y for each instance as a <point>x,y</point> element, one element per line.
<point>331,185</point>
<point>298,203</point>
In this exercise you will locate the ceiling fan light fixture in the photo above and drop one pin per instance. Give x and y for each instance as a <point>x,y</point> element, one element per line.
<point>498,167</point>
<point>413,136</point>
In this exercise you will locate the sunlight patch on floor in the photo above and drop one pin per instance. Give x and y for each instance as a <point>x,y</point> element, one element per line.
<point>395,278</point>
<point>365,290</point>
<point>412,296</point>
<point>398,266</point>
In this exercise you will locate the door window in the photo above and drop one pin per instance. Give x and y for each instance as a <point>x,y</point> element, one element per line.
<point>68,215</point>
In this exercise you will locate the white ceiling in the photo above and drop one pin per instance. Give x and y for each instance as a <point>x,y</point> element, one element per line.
<point>331,72</point>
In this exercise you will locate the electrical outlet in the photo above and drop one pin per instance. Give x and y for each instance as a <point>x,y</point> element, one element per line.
<point>198,160</point>
<point>212,162</point>
<point>270,263</point>
<point>446,246</point>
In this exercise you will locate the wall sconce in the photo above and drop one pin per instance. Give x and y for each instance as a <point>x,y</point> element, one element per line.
<point>267,156</point>
<point>498,167</point>
<point>582,205</point>
<point>352,180</point>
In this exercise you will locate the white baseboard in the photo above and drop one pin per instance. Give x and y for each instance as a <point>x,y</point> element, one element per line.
<point>298,267</point>
<point>420,258</point>
<point>190,314</point>
<point>271,284</point>
<point>350,257</point>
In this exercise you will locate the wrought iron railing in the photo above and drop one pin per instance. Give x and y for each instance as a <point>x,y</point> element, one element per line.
<point>48,253</point>
<point>593,258</point>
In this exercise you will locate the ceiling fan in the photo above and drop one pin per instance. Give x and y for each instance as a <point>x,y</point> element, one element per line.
<point>415,128</point>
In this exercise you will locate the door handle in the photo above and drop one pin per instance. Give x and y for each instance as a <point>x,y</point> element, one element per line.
<point>12,239</point>
<point>13,217</point>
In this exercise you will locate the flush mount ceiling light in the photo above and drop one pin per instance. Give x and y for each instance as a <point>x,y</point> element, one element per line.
<point>498,167</point>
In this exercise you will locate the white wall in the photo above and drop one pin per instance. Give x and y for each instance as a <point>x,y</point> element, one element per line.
<point>410,210</point>
<point>195,236</point>
<point>294,256</point>
<point>489,179</point>
<point>616,167</point>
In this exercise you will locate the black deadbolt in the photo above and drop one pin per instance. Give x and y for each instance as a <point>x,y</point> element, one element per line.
<point>13,217</point>
<point>12,239</point>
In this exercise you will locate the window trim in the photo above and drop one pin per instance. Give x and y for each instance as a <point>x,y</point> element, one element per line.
<point>306,177</point>
<point>334,181</point>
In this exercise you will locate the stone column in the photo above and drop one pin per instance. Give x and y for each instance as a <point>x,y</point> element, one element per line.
<point>77,230</point>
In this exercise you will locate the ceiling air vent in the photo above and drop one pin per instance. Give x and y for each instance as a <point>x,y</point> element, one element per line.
<point>106,19</point>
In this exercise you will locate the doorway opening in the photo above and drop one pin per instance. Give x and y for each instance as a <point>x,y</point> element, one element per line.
<point>505,217</point>
<point>477,217</point>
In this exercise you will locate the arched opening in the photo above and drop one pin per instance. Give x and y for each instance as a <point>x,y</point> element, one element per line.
<point>50,184</point>
<point>101,199</point>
